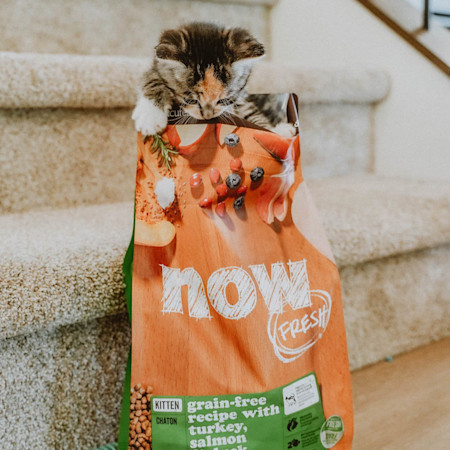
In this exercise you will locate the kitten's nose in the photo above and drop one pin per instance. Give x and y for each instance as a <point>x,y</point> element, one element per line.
<point>208,111</point>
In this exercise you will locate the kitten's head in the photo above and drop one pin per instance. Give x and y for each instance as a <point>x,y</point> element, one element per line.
<point>206,66</point>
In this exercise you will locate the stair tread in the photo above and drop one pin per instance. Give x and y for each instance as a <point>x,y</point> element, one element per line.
<point>63,266</point>
<point>369,217</point>
<point>32,80</point>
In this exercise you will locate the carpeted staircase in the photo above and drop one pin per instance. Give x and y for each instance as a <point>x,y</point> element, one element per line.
<point>67,167</point>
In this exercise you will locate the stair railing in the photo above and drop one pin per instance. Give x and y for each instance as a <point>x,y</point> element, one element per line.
<point>408,36</point>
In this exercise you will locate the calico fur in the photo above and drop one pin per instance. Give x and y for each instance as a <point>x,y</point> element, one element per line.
<point>203,68</point>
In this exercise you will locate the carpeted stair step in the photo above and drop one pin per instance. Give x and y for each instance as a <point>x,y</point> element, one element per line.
<point>65,333</point>
<point>128,27</point>
<point>64,266</point>
<point>68,138</point>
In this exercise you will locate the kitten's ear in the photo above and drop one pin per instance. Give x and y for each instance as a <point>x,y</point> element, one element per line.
<point>171,46</point>
<point>243,45</point>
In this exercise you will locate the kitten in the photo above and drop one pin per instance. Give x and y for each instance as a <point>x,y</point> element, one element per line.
<point>203,68</point>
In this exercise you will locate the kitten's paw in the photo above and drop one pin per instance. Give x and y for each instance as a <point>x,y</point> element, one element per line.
<point>148,118</point>
<point>285,129</point>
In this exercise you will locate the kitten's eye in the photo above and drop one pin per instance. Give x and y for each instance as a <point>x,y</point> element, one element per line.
<point>190,101</point>
<point>225,101</point>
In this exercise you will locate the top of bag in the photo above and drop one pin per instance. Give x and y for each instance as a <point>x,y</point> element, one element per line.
<point>290,106</point>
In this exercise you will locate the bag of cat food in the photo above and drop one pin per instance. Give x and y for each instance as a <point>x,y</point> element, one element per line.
<point>238,338</point>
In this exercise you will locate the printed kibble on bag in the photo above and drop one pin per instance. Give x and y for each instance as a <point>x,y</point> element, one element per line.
<point>140,435</point>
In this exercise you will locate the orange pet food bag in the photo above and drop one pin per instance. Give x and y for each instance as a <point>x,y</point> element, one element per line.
<point>238,337</point>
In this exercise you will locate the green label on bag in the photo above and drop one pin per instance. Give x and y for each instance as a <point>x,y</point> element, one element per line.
<point>289,417</point>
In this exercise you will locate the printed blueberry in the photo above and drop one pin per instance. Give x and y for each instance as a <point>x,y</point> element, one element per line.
<point>231,140</point>
<point>257,174</point>
<point>239,203</point>
<point>233,180</point>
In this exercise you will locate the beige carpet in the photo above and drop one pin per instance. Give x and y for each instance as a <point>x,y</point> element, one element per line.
<point>115,27</point>
<point>68,138</point>
<point>33,80</point>
<point>61,267</point>
<point>67,173</point>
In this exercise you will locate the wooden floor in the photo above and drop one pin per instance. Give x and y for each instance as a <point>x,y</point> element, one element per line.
<point>404,404</point>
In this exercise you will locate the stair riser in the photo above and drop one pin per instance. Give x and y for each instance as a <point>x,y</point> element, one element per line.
<point>396,304</point>
<point>335,139</point>
<point>71,377</point>
<point>60,158</point>
<point>118,28</point>
<point>62,388</point>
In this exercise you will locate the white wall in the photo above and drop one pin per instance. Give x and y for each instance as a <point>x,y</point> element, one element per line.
<point>412,126</point>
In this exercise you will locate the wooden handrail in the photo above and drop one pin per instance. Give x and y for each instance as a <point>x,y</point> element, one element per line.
<point>407,36</point>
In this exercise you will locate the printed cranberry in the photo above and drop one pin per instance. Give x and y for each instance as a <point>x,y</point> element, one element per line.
<point>233,180</point>
<point>214,175</point>
<point>242,190</point>
<point>231,140</point>
<point>195,180</point>
<point>220,209</point>
<point>205,202</point>
<point>239,203</point>
<point>222,190</point>
<point>257,174</point>
<point>236,165</point>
